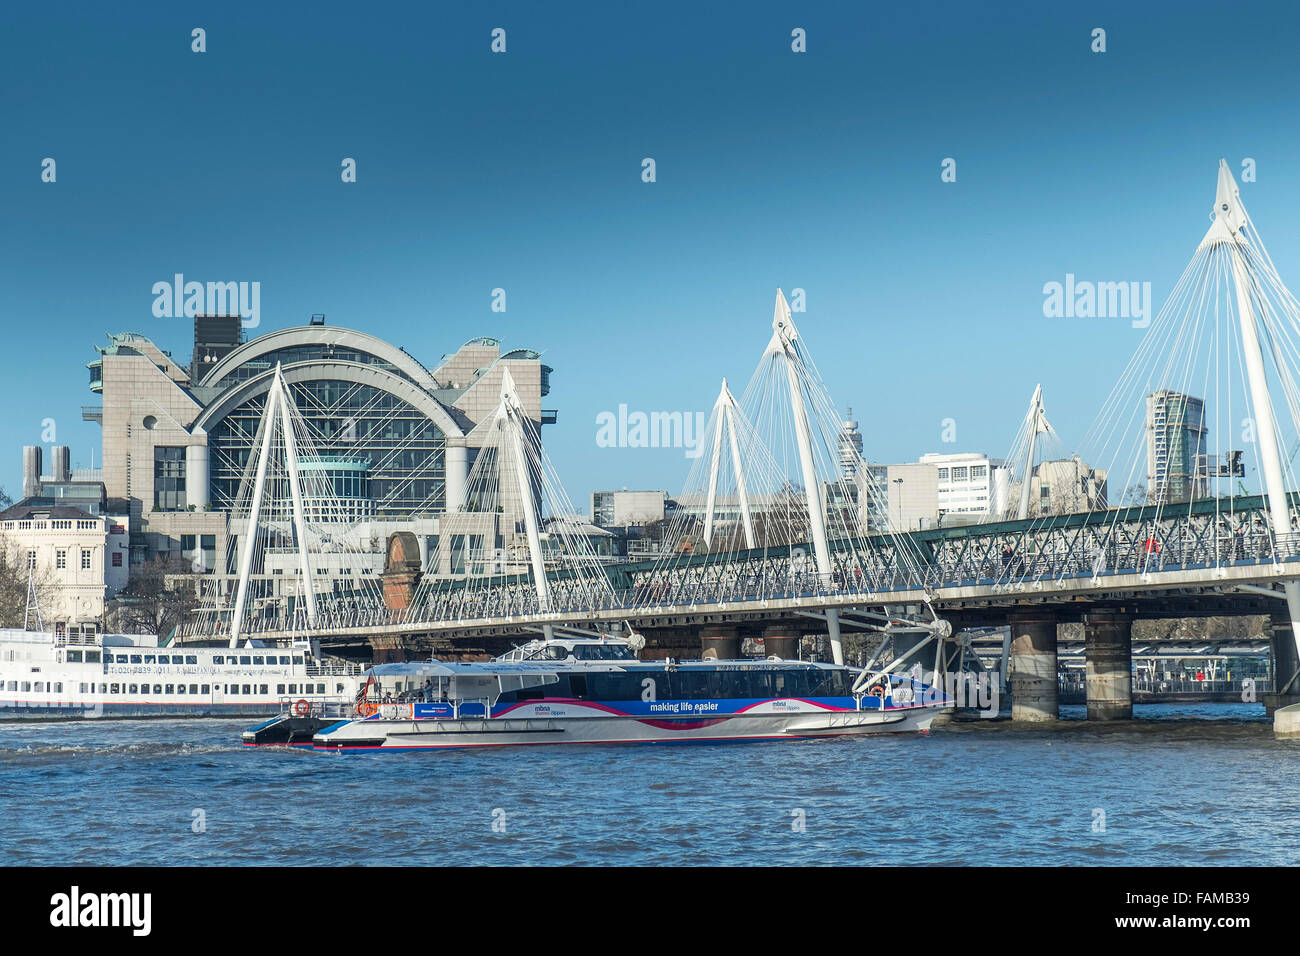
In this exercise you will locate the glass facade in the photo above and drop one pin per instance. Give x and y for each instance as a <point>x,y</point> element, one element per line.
<point>168,478</point>
<point>313,352</point>
<point>332,482</point>
<point>399,453</point>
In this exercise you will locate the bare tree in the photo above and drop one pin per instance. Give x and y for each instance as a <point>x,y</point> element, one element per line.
<point>157,597</point>
<point>15,576</point>
<point>1136,494</point>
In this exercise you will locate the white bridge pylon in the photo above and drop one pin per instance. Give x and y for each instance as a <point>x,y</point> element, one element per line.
<point>1216,368</point>
<point>277,416</point>
<point>511,418</point>
<point>1035,423</point>
<point>785,342</point>
<point>515,546</point>
<point>726,413</point>
<point>781,505</point>
<point>1252,273</point>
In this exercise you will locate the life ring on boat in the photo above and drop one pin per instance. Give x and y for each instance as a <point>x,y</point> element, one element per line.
<point>366,708</point>
<point>877,691</point>
<point>302,708</point>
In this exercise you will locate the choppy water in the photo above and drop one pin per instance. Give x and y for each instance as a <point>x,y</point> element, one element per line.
<point>1186,784</point>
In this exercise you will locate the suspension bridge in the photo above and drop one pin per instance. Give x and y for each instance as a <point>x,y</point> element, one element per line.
<point>793,545</point>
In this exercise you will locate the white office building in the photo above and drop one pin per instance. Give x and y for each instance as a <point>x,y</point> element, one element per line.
<point>938,490</point>
<point>969,486</point>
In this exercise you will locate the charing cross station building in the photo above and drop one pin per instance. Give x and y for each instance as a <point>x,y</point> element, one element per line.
<point>397,438</point>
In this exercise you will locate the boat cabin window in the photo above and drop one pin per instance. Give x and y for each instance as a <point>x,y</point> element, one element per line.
<point>708,684</point>
<point>601,652</point>
<point>191,658</point>
<point>218,659</point>
<point>92,657</point>
<point>135,658</point>
<point>164,659</point>
<point>286,661</point>
<point>259,660</point>
<point>151,658</point>
<point>245,659</point>
<point>74,657</point>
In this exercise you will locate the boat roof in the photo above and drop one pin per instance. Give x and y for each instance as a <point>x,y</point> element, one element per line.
<point>436,668</point>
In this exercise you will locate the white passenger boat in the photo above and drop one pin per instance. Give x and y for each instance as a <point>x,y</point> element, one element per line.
<point>44,675</point>
<point>565,691</point>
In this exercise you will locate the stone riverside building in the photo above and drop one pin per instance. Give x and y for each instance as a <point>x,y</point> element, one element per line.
<point>78,558</point>
<point>398,438</point>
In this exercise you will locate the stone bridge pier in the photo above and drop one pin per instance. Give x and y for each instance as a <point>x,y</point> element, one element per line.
<point>1031,667</point>
<point>1032,664</point>
<point>1286,664</point>
<point>1108,646</point>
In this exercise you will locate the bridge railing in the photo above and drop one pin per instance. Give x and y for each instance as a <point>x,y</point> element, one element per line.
<point>1008,553</point>
<point>1075,686</point>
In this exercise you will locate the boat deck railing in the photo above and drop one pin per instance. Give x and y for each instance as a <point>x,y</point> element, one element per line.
<point>341,709</point>
<point>79,640</point>
<point>335,669</point>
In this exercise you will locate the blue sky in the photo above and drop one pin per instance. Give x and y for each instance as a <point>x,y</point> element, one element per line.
<point>522,171</point>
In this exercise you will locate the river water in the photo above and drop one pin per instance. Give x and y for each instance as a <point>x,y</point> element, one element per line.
<point>1183,784</point>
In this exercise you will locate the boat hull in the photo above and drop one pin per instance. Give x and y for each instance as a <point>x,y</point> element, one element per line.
<point>381,733</point>
<point>39,710</point>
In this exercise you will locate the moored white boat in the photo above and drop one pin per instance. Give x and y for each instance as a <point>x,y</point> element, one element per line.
<point>47,675</point>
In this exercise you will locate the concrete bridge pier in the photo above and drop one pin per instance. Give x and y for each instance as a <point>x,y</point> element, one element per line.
<point>1031,667</point>
<point>1108,646</point>
<point>390,650</point>
<point>1286,685</point>
<point>719,642</point>
<point>781,640</point>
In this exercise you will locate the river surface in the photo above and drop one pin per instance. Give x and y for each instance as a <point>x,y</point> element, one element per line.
<point>1183,784</point>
